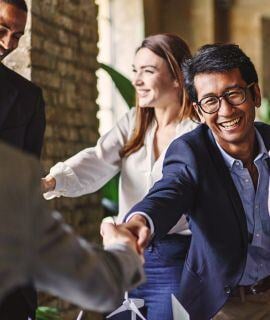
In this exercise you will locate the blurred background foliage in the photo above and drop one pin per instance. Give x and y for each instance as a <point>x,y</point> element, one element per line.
<point>47,313</point>
<point>264,111</point>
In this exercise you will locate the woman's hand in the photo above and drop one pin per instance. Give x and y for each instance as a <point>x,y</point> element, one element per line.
<point>48,184</point>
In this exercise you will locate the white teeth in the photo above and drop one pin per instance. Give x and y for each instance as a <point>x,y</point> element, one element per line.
<point>230,123</point>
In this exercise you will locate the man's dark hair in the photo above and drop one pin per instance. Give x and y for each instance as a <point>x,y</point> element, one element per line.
<point>20,4</point>
<point>219,58</point>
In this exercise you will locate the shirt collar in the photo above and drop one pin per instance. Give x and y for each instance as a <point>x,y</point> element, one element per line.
<point>230,161</point>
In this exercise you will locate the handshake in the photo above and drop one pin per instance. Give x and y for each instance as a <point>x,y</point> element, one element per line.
<point>135,234</point>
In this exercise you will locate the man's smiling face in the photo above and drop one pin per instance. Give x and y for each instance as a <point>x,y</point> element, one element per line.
<point>12,24</point>
<point>231,125</point>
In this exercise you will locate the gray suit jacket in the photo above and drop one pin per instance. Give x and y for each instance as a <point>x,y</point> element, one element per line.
<point>35,245</point>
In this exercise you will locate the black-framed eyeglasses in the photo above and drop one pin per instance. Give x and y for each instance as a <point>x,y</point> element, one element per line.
<point>234,97</point>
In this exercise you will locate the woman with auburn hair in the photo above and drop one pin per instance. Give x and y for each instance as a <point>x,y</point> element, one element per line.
<point>136,147</point>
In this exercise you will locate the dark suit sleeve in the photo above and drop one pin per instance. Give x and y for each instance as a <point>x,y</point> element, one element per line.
<point>35,130</point>
<point>175,193</point>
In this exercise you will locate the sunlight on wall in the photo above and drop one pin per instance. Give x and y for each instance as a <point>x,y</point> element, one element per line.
<point>121,30</point>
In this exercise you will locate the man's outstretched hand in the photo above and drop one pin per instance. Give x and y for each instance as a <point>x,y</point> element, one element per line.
<point>116,234</point>
<point>134,233</point>
<point>138,226</point>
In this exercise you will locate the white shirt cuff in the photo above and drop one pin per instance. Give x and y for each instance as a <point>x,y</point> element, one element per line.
<point>149,220</point>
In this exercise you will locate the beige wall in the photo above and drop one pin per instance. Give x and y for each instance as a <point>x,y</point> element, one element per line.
<point>194,20</point>
<point>121,30</point>
<point>202,23</point>
<point>246,30</point>
<point>191,19</point>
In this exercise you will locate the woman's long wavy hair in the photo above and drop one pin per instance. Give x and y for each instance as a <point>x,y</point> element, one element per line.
<point>174,51</point>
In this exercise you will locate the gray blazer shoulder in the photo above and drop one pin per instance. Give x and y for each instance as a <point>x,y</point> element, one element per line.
<point>37,245</point>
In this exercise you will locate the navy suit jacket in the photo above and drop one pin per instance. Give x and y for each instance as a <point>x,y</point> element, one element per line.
<point>196,180</point>
<point>22,124</point>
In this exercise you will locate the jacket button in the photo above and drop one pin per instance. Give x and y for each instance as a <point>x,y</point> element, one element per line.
<point>227,289</point>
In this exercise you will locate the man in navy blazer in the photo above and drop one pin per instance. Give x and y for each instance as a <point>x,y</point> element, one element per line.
<point>218,175</point>
<point>22,124</point>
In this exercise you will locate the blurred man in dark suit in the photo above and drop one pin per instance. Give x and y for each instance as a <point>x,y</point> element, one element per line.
<point>22,124</point>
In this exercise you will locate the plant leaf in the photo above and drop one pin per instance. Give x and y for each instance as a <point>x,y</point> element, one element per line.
<point>122,83</point>
<point>110,190</point>
<point>127,91</point>
<point>47,313</point>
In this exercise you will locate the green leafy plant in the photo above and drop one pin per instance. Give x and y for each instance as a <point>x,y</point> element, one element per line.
<point>127,91</point>
<point>47,313</point>
<point>122,83</point>
<point>264,111</point>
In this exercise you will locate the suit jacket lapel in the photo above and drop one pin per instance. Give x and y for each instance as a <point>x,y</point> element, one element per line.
<point>8,94</point>
<point>228,183</point>
<point>264,131</point>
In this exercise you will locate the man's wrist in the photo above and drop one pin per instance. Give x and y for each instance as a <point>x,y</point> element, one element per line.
<point>143,218</point>
<point>139,218</point>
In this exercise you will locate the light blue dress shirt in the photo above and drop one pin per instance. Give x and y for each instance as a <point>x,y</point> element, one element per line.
<point>255,203</point>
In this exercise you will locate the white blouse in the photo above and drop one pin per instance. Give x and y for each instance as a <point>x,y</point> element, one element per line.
<point>91,168</point>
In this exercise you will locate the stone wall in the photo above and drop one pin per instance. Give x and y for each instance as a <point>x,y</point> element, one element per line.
<point>191,20</point>
<point>244,22</point>
<point>58,53</point>
<point>63,56</point>
<point>247,28</point>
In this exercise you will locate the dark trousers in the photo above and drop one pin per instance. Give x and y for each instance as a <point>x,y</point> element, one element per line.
<point>20,304</point>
